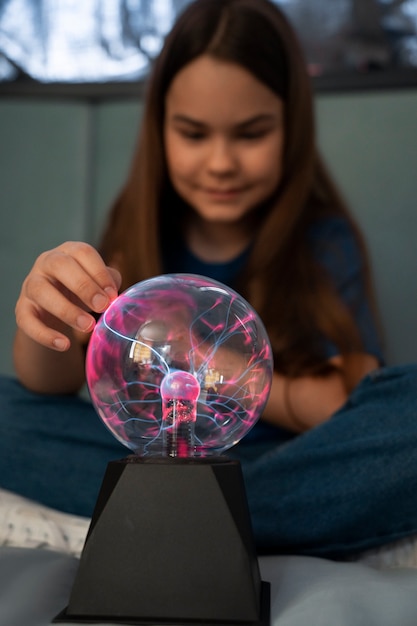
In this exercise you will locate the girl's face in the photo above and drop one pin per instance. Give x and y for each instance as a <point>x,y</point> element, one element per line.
<point>224,139</point>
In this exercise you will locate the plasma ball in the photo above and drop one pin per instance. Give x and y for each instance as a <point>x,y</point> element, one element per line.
<point>179,392</point>
<point>179,365</point>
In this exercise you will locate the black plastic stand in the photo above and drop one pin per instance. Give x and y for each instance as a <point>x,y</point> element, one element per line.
<point>170,542</point>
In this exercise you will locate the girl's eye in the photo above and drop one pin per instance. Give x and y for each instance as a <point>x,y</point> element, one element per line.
<point>192,135</point>
<point>251,135</point>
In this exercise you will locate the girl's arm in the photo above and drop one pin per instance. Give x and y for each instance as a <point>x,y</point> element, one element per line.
<point>299,404</point>
<point>54,316</point>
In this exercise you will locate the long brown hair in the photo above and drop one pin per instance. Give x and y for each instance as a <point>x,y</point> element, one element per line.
<point>282,280</point>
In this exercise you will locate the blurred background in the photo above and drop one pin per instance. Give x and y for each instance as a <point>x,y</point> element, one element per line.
<point>71,84</point>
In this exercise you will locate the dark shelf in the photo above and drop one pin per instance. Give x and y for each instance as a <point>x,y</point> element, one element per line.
<point>405,78</point>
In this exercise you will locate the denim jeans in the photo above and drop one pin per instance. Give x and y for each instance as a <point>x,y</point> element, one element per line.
<point>343,487</point>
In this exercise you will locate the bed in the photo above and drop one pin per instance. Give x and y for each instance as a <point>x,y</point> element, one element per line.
<point>40,548</point>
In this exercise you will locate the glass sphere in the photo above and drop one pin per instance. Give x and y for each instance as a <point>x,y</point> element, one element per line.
<point>179,365</point>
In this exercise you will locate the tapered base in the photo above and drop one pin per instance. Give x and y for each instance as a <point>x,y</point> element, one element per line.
<point>170,542</point>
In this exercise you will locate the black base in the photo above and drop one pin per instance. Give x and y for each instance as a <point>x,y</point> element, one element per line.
<point>265,616</point>
<point>170,543</point>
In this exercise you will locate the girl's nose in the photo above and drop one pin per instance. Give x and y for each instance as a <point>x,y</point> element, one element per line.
<point>222,158</point>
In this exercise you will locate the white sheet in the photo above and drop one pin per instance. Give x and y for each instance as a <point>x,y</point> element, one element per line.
<point>27,524</point>
<point>305,591</point>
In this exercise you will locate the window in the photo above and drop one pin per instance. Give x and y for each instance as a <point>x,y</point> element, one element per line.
<point>102,42</point>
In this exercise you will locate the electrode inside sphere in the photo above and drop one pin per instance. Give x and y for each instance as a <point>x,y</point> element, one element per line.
<point>179,365</point>
<point>180,386</point>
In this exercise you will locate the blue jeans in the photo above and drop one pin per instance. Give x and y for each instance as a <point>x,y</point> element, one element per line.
<point>345,486</point>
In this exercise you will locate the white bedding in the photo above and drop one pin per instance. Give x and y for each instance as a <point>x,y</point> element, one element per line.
<point>38,561</point>
<point>305,591</point>
<point>27,524</point>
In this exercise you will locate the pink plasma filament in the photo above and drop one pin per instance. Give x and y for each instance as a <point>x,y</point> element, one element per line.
<point>179,391</point>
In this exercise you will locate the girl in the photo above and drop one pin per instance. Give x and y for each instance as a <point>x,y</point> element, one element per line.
<point>227,182</point>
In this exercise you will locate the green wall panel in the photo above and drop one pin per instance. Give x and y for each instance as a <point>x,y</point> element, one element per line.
<point>116,130</point>
<point>370,144</point>
<point>44,161</point>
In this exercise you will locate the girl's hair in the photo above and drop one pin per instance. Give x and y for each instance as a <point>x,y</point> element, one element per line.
<point>301,305</point>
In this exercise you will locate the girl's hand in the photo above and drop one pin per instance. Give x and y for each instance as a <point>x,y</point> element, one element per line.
<point>64,285</point>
